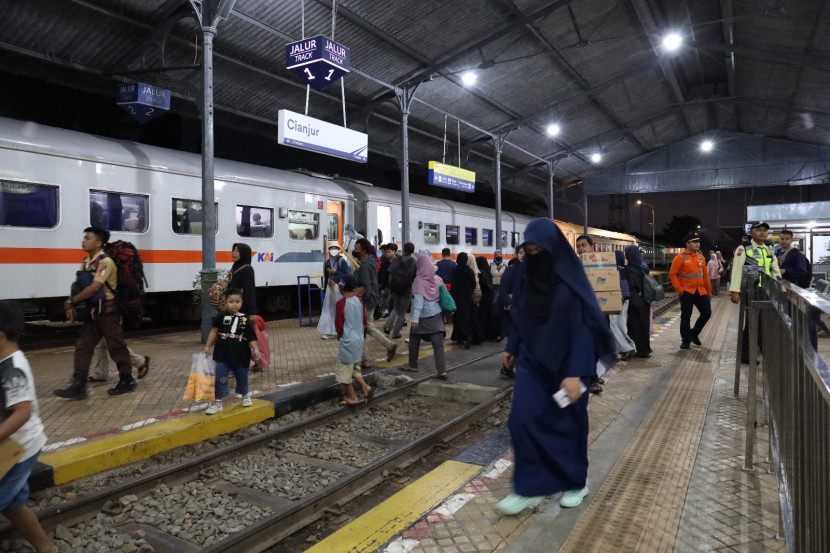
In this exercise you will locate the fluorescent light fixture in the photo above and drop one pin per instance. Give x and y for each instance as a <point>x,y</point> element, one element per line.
<point>706,145</point>
<point>596,158</point>
<point>672,42</point>
<point>553,129</point>
<point>469,78</point>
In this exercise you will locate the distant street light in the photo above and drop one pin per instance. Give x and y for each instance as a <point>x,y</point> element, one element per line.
<point>653,243</point>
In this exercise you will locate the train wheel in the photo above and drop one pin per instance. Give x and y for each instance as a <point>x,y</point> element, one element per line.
<point>283,303</point>
<point>270,305</point>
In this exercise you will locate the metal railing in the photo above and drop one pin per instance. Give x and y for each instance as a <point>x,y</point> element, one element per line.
<point>785,320</point>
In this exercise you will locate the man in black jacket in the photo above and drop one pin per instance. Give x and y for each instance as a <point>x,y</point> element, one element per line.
<point>367,289</point>
<point>401,274</point>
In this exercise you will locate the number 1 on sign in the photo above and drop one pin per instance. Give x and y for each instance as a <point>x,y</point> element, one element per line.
<point>328,77</point>
<point>310,76</point>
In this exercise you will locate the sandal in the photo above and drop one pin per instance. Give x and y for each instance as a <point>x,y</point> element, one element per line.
<point>407,368</point>
<point>345,403</point>
<point>443,376</point>
<point>142,372</point>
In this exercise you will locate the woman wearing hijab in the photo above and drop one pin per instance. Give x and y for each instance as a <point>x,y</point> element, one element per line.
<point>243,277</point>
<point>478,333</point>
<point>638,309</point>
<point>489,326</point>
<point>463,284</point>
<point>558,335</point>
<point>426,321</point>
<point>714,268</point>
<point>504,300</point>
<point>619,323</point>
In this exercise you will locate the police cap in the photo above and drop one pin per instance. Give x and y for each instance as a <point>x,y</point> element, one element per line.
<point>692,236</point>
<point>758,224</point>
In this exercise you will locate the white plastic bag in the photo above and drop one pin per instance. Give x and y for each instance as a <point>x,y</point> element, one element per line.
<point>325,326</point>
<point>201,384</point>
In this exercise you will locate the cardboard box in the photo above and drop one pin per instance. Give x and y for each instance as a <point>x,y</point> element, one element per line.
<point>610,302</point>
<point>604,280</point>
<point>599,259</point>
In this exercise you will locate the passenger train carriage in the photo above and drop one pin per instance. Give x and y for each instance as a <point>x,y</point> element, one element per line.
<point>55,182</point>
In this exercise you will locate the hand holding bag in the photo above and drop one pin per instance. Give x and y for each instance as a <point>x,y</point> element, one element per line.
<point>263,340</point>
<point>201,384</point>
<point>445,300</point>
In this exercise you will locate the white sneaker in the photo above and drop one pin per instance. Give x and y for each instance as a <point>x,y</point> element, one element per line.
<point>214,408</point>
<point>246,400</point>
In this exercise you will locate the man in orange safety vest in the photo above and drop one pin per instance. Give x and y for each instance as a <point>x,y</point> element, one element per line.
<point>691,282</point>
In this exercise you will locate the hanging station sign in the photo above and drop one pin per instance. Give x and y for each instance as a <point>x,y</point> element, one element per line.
<point>143,101</point>
<point>307,133</point>
<point>453,177</point>
<point>317,61</point>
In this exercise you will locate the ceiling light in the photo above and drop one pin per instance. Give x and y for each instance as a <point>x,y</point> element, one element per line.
<point>553,129</point>
<point>469,78</point>
<point>706,145</point>
<point>639,202</point>
<point>596,158</point>
<point>672,42</point>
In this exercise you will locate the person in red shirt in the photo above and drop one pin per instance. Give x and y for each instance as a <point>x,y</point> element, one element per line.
<point>691,282</point>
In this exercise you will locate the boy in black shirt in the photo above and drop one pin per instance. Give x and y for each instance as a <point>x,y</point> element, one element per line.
<point>233,349</point>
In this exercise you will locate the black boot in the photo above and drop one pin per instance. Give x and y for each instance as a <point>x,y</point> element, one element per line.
<point>126,384</point>
<point>76,390</point>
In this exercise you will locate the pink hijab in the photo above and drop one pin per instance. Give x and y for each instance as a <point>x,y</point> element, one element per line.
<point>425,283</point>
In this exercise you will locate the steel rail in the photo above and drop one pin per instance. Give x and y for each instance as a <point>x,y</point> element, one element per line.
<point>87,505</point>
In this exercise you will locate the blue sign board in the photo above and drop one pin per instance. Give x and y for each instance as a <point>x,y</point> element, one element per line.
<point>450,176</point>
<point>143,101</point>
<point>317,61</point>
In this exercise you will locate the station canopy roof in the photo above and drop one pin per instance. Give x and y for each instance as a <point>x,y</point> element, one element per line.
<point>598,69</point>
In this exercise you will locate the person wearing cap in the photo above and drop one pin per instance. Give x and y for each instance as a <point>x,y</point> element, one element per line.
<point>334,268</point>
<point>691,282</point>
<point>755,253</point>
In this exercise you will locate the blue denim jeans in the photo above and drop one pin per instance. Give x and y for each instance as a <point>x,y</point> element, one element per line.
<point>14,487</point>
<point>222,372</point>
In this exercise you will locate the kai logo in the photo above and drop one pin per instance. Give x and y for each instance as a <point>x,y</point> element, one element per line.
<point>266,257</point>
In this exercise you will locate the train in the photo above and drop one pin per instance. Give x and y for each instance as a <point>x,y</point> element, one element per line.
<point>55,182</point>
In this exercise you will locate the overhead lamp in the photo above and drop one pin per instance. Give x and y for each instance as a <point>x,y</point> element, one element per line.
<point>469,78</point>
<point>706,146</point>
<point>672,42</point>
<point>639,202</point>
<point>553,129</point>
<point>596,157</point>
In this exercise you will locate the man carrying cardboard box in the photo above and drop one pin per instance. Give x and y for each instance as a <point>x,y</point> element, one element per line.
<point>691,282</point>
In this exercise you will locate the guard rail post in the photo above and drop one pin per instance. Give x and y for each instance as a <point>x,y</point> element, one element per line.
<point>308,295</point>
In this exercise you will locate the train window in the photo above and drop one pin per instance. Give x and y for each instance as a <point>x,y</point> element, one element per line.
<point>516,239</point>
<point>188,216</point>
<point>118,211</point>
<point>334,226</point>
<point>257,222</point>
<point>487,237</point>
<point>303,225</point>
<point>452,234</point>
<point>471,236</point>
<point>504,239</point>
<point>432,233</point>
<point>28,205</point>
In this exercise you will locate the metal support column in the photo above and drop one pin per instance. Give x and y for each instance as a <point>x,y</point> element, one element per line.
<point>405,97</point>
<point>584,208</point>
<point>498,145</point>
<point>552,163</point>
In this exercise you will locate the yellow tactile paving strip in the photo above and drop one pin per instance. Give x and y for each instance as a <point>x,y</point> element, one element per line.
<point>638,507</point>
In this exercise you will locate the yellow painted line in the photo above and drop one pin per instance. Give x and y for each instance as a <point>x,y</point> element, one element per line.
<point>129,447</point>
<point>376,527</point>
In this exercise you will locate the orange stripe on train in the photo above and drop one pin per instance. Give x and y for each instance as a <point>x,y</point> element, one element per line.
<point>50,256</point>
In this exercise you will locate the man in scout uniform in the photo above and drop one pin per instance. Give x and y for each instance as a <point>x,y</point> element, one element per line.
<point>756,253</point>
<point>97,281</point>
<point>691,282</point>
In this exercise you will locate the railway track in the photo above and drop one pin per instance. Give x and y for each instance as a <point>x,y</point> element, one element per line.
<point>212,474</point>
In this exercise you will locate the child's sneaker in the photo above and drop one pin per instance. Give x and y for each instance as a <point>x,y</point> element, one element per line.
<point>246,400</point>
<point>214,408</point>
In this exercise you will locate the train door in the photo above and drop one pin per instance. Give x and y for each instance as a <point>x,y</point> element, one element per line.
<point>334,223</point>
<point>384,230</point>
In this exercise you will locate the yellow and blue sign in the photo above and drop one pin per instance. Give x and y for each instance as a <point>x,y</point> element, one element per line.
<point>453,177</point>
<point>143,101</point>
<point>317,61</point>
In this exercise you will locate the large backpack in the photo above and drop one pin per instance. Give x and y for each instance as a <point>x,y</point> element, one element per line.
<point>807,279</point>
<point>399,281</point>
<point>129,294</point>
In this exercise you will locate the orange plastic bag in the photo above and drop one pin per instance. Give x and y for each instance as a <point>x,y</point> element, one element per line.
<point>201,384</point>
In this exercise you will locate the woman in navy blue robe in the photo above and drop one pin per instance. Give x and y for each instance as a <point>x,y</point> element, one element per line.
<point>558,335</point>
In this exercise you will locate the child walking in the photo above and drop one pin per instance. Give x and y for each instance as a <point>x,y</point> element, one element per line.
<point>232,353</point>
<point>350,323</point>
<point>20,421</point>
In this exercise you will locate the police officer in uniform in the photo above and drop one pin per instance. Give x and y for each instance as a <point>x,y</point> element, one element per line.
<point>756,253</point>
<point>691,282</point>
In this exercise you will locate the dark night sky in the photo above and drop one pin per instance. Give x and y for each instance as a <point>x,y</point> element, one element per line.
<point>46,103</point>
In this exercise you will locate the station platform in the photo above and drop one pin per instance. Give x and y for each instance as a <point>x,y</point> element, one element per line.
<point>666,449</point>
